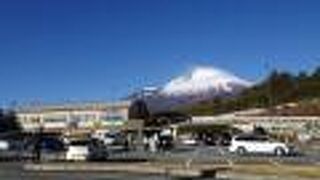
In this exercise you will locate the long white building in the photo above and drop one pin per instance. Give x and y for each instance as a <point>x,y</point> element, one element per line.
<point>247,120</point>
<point>75,115</point>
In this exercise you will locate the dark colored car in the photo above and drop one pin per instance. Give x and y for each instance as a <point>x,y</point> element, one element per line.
<point>210,140</point>
<point>31,148</point>
<point>217,139</point>
<point>165,142</point>
<point>46,148</point>
<point>97,150</point>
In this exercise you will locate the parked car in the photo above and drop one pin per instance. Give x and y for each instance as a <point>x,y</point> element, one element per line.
<point>7,152</point>
<point>252,144</point>
<point>166,142</point>
<point>109,138</point>
<point>97,150</point>
<point>46,148</point>
<point>4,145</point>
<point>78,150</point>
<point>188,140</point>
<point>210,140</point>
<point>83,150</point>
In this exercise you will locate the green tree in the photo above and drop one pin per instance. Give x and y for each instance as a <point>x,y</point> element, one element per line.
<point>278,88</point>
<point>8,122</point>
<point>316,73</point>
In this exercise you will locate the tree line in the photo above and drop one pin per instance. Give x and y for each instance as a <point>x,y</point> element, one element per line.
<point>278,88</point>
<point>8,122</point>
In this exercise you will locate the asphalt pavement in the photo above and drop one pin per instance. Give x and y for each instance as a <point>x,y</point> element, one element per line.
<point>187,154</point>
<point>14,171</point>
<point>214,154</point>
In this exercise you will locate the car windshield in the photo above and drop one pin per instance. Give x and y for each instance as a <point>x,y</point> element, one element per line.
<point>262,138</point>
<point>110,135</point>
<point>79,143</point>
<point>52,144</point>
<point>251,138</point>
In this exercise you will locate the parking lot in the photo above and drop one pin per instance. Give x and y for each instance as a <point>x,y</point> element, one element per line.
<point>197,153</point>
<point>215,154</point>
<point>184,154</point>
<point>14,171</point>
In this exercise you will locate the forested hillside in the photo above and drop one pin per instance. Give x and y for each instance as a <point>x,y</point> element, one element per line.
<point>280,87</point>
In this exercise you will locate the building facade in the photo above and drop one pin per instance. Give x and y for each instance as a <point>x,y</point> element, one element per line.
<point>247,120</point>
<point>81,116</point>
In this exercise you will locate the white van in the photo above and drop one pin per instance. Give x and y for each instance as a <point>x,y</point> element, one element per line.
<point>247,144</point>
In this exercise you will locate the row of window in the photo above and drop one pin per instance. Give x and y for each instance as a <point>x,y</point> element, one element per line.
<point>73,118</point>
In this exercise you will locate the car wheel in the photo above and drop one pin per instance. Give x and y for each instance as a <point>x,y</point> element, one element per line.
<point>279,151</point>
<point>241,150</point>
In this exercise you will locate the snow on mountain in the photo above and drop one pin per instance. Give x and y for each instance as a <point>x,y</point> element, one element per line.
<point>204,79</point>
<point>201,84</point>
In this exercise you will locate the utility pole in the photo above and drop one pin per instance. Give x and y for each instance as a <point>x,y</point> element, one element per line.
<point>269,92</point>
<point>269,84</point>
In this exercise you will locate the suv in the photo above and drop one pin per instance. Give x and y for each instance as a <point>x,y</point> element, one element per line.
<point>244,144</point>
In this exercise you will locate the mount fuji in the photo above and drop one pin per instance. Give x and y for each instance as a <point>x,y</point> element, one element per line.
<point>201,84</point>
<point>204,80</point>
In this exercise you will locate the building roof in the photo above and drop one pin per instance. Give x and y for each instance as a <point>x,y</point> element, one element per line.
<point>258,115</point>
<point>34,108</point>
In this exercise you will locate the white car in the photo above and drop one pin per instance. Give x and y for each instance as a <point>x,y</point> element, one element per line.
<point>78,150</point>
<point>245,144</point>
<point>106,137</point>
<point>4,145</point>
<point>109,139</point>
<point>188,140</point>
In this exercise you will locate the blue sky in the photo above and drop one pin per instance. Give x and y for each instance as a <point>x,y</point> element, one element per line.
<point>59,50</point>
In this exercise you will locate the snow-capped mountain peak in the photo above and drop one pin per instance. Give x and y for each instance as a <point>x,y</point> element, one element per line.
<point>202,80</point>
<point>201,84</point>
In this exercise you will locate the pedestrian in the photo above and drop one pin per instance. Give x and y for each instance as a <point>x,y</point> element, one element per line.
<point>145,143</point>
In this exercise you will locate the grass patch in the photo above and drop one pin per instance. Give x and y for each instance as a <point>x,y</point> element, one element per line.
<point>307,171</point>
